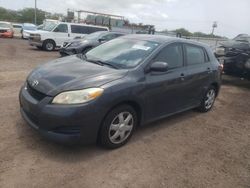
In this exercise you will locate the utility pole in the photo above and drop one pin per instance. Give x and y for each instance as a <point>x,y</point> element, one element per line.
<point>213,27</point>
<point>35,12</point>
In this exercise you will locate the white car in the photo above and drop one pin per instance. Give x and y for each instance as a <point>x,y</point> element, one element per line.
<point>54,34</point>
<point>17,29</point>
<point>27,28</point>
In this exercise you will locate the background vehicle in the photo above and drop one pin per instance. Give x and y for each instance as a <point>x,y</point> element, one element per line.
<point>27,28</point>
<point>104,94</point>
<point>17,29</point>
<point>54,34</point>
<point>6,30</point>
<point>235,55</point>
<point>82,45</point>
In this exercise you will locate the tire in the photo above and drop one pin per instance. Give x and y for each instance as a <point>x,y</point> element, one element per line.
<point>118,127</point>
<point>208,100</point>
<point>49,45</point>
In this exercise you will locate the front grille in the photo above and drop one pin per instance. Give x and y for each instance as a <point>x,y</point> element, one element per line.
<point>34,93</point>
<point>66,44</point>
<point>3,31</point>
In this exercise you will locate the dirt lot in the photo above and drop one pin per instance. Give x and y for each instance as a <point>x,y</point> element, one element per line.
<point>188,150</point>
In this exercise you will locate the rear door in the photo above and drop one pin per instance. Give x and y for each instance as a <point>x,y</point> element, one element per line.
<point>165,91</point>
<point>61,34</point>
<point>199,72</point>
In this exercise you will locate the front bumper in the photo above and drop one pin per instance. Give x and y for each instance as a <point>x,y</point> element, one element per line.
<point>7,34</point>
<point>35,43</point>
<point>60,123</point>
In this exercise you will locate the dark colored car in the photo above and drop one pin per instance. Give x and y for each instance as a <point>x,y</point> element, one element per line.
<point>129,81</point>
<point>235,55</point>
<point>82,45</point>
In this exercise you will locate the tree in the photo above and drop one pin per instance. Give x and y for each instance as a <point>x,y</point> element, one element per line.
<point>183,32</point>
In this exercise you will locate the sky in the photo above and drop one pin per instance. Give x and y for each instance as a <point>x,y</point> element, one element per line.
<point>232,16</point>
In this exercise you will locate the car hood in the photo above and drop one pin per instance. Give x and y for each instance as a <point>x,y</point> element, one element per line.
<point>4,28</point>
<point>71,73</point>
<point>236,44</point>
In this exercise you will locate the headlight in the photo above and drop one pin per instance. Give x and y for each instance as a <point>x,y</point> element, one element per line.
<point>220,51</point>
<point>78,96</point>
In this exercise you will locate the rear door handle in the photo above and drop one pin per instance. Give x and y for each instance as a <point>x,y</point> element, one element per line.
<point>68,35</point>
<point>209,70</point>
<point>182,76</point>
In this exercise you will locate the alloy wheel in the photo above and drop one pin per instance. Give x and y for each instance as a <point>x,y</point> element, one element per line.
<point>121,127</point>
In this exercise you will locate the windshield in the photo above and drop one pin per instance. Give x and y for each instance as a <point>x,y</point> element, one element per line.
<point>122,52</point>
<point>48,26</point>
<point>5,25</point>
<point>243,38</point>
<point>94,35</point>
<point>29,27</point>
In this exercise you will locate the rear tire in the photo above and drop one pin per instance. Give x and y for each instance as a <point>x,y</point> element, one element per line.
<point>118,127</point>
<point>208,100</point>
<point>49,45</point>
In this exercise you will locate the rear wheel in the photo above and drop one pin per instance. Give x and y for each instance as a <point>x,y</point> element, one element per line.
<point>49,45</point>
<point>118,127</point>
<point>208,100</point>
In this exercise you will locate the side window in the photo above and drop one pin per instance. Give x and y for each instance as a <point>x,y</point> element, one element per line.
<point>79,29</point>
<point>195,55</point>
<point>95,29</point>
<point>171,54</point>
<point>62,28</point>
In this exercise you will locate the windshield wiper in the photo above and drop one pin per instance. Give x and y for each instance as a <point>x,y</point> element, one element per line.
<point>98,62</point>
<point>101,63</point>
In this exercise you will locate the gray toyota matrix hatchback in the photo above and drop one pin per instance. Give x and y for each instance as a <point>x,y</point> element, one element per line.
<point>104,95</point>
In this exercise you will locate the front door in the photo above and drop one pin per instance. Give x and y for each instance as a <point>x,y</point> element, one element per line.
<point>61,34</point>
<point>165,91</point>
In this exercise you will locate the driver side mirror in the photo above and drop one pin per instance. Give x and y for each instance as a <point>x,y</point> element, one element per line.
<point>159,66</point>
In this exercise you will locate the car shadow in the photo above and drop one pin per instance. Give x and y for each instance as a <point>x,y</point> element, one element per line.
<point>235,81</point>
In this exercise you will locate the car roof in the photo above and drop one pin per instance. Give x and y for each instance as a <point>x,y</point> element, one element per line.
<point>5,22</point>
<point>162,39</point>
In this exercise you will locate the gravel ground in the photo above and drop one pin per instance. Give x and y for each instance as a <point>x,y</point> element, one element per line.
<point>187,150</point>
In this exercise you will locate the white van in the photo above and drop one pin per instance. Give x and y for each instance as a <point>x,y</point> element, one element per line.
<point>54,34</point>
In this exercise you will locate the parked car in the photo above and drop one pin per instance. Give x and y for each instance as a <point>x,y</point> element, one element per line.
<point>235,55</point>
<point>82,45</point>
<point>27,28</point>
<point>6,30</point>
<point>129,81</point>
<point>17,29</point>
<point>55,33</point>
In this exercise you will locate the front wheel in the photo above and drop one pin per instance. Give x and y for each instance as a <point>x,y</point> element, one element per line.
<point>208,100</point>
<point>49,45</point>
<point>118,127</point>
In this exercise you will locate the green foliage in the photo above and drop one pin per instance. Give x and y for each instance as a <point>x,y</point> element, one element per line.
<point>26,15</point>
<point>186,33</point>
<point>183,32</point>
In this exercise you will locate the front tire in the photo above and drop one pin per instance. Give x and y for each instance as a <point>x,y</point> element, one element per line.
<point>49,45</point>
<point>118,127</point>
<point>208,100</point>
